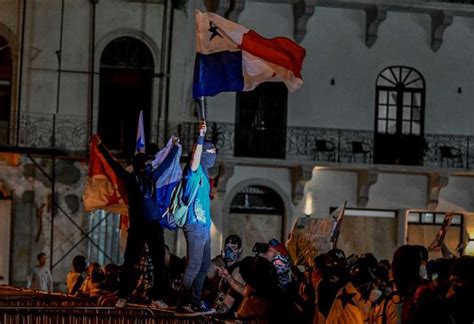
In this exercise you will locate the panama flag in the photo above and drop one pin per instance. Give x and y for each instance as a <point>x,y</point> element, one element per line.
<point>231,57</point>
<point>140,144</point>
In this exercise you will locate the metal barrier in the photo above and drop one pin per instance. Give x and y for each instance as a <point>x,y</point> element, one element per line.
<point>19,306</point>
<point>98,315</point>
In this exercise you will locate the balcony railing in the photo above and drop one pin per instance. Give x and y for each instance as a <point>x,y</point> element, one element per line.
<point>339,145</point>
<point>64,132</point>
<point>302,143</point>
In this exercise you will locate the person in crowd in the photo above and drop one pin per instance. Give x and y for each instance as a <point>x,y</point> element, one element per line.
<point>351,305</point>
<point>111,278</point>
<point>40,276</point>
<point>319,272</point>
<point>305,298</point>
<point>438,275</point>
<point>216,288</point>
<point>75,277</point>
<point>144,227</point>
<point>421,303</point>
<point>385,304</point>
<point>197,228</point>
<point>461,293</point>
<point>261,294</point>
<point>335,276</point>
<point>278,255</point>
<point>90,286</point>
<point>424,261</point>
<point>386,264</point>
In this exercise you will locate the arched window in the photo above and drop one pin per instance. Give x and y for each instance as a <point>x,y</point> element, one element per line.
<point>256,214</point>
<point>126,78</point>
<point>5,89</point>
<point>399,119</point>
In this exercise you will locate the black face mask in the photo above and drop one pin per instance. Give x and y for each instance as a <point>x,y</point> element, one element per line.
<point>207,159</point>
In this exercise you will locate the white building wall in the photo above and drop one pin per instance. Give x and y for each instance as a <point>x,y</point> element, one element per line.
<point>335,44</point>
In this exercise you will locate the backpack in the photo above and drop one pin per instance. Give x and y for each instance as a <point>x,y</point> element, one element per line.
<point>176,214</point>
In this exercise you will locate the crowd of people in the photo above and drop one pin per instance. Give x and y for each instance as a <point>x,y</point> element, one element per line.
<point>266,286</point>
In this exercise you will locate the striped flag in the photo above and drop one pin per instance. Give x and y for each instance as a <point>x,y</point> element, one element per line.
<point>104,189</point>
<point>231,57</point>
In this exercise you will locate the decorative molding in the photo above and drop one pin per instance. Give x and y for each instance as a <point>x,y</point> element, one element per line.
<point>365,180</point>
<point>374,16</point>
<point>299,175</point>
<point>436,182</point>
<point>302,11</point>
<point>440,20</point>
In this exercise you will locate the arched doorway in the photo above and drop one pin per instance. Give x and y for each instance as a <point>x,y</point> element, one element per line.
<point>5,89</point>
<point>399,116</point>
<point>126,79</point>
<point>256,214</point>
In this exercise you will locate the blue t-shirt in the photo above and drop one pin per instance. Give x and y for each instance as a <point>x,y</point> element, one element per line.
<point>199,211</point>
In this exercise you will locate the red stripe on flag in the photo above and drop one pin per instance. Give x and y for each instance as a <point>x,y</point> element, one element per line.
<point>280,51</point>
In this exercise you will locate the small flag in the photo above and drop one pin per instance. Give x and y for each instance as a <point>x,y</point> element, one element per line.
<point>140,143</point>
<point>337,216</point>
<point>231,57</point>
<point>104,189</point>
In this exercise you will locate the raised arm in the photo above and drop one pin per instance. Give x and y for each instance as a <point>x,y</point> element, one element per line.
<point>197,153</point>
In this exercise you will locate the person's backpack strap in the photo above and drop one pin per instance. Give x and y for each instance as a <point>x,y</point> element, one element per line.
<point>195,191</point>
<point>177,214</point>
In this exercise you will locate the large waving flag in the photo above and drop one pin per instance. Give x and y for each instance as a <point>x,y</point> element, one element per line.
<point>140,143</point>
<point>104,189</point>
<point>231,57</point>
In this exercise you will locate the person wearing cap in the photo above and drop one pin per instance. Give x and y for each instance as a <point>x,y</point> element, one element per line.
<point>144,227</point>
<point>197,229</point>
<point>278,255</point>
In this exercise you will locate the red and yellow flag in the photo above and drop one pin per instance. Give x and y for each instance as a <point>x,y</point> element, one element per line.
<point>104,189</point>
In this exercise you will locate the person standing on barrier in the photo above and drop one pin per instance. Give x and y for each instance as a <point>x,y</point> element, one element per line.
<point>144,227</point>
<point>197,229</point>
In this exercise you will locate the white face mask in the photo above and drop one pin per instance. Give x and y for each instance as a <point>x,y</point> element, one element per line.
<point>423,272</point>
<point>375,294</point>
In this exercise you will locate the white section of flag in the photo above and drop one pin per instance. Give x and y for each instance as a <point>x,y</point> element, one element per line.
<point>230,38</point>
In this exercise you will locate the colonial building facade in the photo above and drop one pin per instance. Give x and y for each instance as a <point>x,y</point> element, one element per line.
<point>383,121</point>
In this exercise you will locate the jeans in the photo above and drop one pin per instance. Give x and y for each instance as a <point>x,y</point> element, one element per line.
<point>198,241</point>
<point>152,235</point>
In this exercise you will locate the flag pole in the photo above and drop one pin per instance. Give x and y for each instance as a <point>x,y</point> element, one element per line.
<point>203,102</point>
